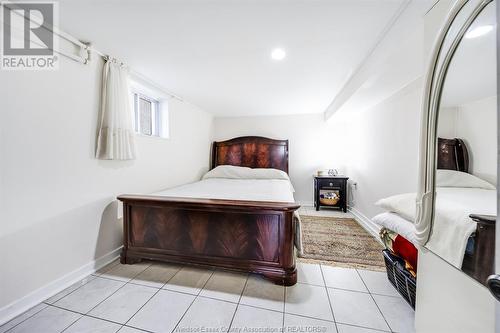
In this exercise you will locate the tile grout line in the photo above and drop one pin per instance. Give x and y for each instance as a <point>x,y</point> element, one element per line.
<point>238,304</point>
<point>330,321</point>
<point>49,304</point>
<point>126,282</point>
<point>57,300</point>
<point>61,308</point>
<point>183,293</point>
<point>135,328</point>
<point>107,268</point>
<point>328,296</point>
<point>114,322</point>
<point>114,279</point>
<point>310,317</point>
<point>192,302</point>
<point>72,324</point>
<point>204,285</point>
<point>364,327</point>
<point>256,307</point>
<point>373,298</point>
<point>22,321</point>
<point>180,269</point>
<point>198,295</point>
<point>87,314</point>
<point>362,292</point>
<point>231,302</point>
<point>94,277</point>
<point>94,317</point>
<point>163,287</point>
<point>149,299</point>
<point>284,304</point>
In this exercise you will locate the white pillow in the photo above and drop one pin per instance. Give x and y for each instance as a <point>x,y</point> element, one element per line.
<point>402,204</point>
<point>453,178</point>
<point>236,172</point>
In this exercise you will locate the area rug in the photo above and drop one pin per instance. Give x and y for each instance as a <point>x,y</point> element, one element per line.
<point>338,241</point>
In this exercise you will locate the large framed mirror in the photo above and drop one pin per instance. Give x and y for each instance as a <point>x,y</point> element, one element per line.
<point>456,203</point>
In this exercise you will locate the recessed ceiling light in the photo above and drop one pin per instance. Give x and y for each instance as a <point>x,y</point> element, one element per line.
<point>278,54</point>
<point>479,31</point>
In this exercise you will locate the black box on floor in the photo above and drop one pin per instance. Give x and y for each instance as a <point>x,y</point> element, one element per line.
<point>400,278</point>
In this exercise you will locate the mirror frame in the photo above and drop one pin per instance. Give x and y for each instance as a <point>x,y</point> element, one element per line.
<point>436,75</point>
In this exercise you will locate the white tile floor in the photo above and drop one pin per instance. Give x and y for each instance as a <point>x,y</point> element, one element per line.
<point>155,297</point>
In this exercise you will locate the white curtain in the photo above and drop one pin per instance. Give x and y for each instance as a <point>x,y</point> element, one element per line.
<point>116,138</point>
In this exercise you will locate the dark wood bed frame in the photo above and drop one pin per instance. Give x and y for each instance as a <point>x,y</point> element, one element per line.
<point>248,236</point>
<point>453,155</point>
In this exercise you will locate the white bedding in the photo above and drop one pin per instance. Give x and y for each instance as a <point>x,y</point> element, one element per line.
<point>234,189</point>
<point>232,172</point>
<point>268,186</point>
<point>396,223</point>
<point>452,226</point>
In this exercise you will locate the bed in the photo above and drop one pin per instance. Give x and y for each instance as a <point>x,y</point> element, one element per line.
<point>237,224</point>
<point>464,226</point>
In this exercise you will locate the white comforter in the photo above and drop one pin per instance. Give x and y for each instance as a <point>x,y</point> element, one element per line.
<point>237,183</point>
<point>277,190</point>
<point>397,224</point>
<point>452,226</point>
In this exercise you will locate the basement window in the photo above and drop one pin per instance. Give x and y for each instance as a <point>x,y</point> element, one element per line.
<point>150,116</point>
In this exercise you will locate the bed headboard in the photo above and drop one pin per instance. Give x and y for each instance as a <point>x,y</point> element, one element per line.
<point>452,155</point>
<point>252,152</point>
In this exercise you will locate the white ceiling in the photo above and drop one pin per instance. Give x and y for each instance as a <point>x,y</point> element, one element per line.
<point>472,73</point>
<point>396,62</point>
<point>216,54</point>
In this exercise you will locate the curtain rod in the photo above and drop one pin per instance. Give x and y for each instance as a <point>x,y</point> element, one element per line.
<point>90,48</point>
<point>85,47</point>
<point>54,29</point>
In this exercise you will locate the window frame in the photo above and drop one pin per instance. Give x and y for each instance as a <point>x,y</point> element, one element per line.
<point>155,114</point>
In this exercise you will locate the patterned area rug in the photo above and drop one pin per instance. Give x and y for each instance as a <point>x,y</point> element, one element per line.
<point>340,242</point>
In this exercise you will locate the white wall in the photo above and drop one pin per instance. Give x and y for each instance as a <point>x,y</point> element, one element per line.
<point>475,123</point>
<point>381,106</point>
<point>58,208</point>
<point>447,122</point>
<point>313,144</point>
<point>382,147</point>
<point>377,148</point>
<point>395,62</point>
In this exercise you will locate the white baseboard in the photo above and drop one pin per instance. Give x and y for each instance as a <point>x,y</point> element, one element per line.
<point>372,228</point>
<point>305,203</point>
<point>15,308</point>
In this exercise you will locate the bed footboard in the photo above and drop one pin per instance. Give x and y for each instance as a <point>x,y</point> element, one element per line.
<point>246,236</point>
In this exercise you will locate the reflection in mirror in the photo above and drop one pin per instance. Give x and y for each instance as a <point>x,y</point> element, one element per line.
<point>463,229</point>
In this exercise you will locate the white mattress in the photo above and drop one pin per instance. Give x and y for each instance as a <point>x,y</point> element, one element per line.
<point>275,190</point>
<point>271,190</point>
<point>396,223</point>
